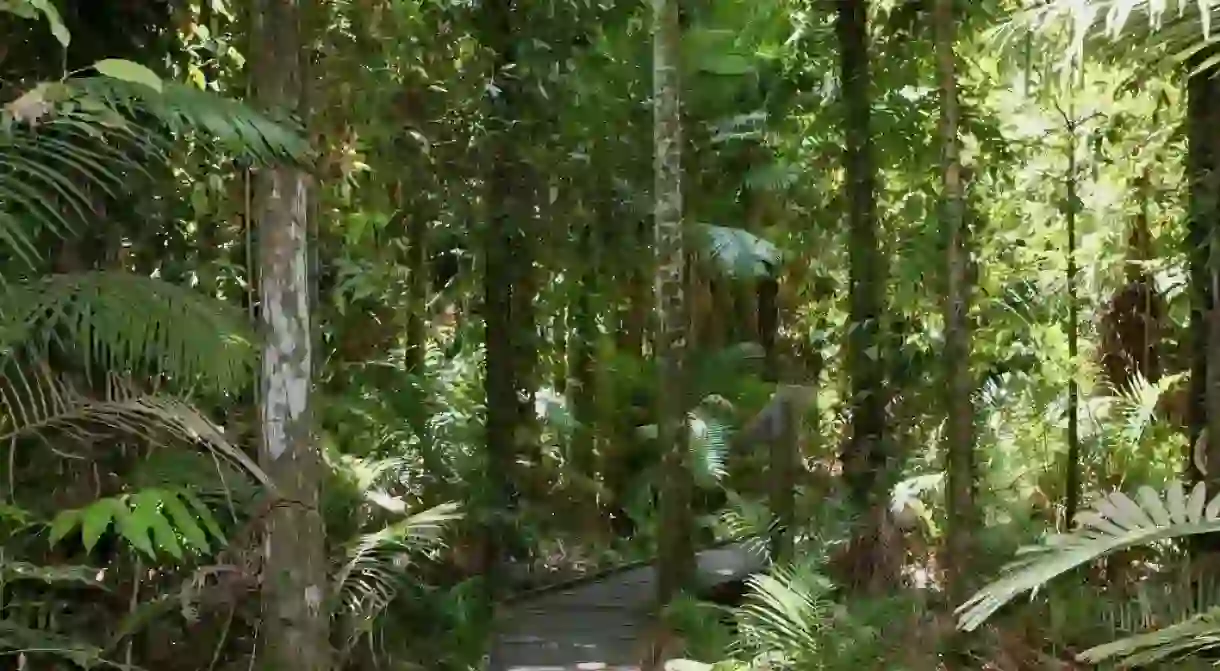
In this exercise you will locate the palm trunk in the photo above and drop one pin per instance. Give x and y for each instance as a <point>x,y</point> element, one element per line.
<point>503,409</point>
<point>295,627</point>
<point>959,405</point>
<point>676,556</point>
<point>1203,162</point>
<point>866,457</point>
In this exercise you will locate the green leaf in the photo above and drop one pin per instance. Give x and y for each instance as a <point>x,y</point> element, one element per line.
<point>63,524</point>
<point>134,526</point>
<point>739,253</point>
<point>147,507</point>
<point>96,518</point>
<point>58,29</point>
<point>205,516</point>
<point>186,524</point>
<point>129,71</point>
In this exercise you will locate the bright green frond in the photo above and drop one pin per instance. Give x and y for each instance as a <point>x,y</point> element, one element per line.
<point>126,321</point>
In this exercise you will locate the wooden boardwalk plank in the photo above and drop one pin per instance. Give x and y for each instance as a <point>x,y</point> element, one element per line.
<point>599,626</point>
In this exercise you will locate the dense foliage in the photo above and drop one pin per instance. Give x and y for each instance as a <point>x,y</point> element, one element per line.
<point>325,327</point>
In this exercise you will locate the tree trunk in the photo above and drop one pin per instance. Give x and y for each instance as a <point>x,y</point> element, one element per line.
<point>295,625</point>
<point>1203,166</point>
<point>676,552</point>
<point>585,336</point>
<point>865,458</point>
<point>505,190</point>
<point>959,386</point>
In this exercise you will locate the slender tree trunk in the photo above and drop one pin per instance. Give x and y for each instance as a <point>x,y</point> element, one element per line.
<point>502,175</point>
<point>585,335</point>
<point>1074,484</point>
<point>676,555</point>
<point>960,385</point>
<point>1203,113</point>
<point>295,623</point>
<point>866,458</point>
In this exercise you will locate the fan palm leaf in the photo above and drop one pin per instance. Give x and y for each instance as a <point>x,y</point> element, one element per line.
<point>369,573</point>
<point>1116,522</point>
<point>1193,635</point>
<point>1155,31</point>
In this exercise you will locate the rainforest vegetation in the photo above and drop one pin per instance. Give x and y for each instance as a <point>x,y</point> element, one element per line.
<point>330,327</point>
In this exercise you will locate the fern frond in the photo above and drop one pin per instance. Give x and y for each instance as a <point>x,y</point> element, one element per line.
<point>709,444</point>
<point>37,403</point>
<point>1116,522</point>
<point>786,613</point>
<point>125,321</point>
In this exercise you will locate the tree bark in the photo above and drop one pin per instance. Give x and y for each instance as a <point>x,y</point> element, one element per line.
<point>959,405</point>
<point>866,456</point>
<point>1203,166</point>
<point>676,552</point>
<point>295,627</point>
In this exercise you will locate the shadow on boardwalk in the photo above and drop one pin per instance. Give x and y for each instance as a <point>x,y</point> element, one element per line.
<point>599,625</point>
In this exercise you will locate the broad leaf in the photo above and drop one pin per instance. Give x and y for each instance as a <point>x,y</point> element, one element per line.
<point>129,71</point>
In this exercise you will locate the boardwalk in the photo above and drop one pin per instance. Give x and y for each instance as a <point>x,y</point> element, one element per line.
<point>599,625</point>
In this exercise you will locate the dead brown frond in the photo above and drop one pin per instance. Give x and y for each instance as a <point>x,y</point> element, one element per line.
<point>38,403</point>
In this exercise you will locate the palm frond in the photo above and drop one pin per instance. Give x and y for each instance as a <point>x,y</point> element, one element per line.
<point>1137,402</point>
<point>1194,635</point>
<point>369,574</point>
<point>1116,522</point>
<point>737,252</point>
<point>56,163</point>
<point>63,145</point>
<point>1164,31</point>
<point>786,613</point>
<point>709,442</point>
<point>179,108</point>
<point>125,321</point>
<point>40,404</point>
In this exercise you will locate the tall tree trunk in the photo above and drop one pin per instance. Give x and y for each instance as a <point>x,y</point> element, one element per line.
<point>295,623</point>
<point>676,553</point>
<point>865,458</point>
<point>1073,483</point>
<point>585,336</point>
<point>959,405</point>
<point>502,173</point>
<point>1203,160</point>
